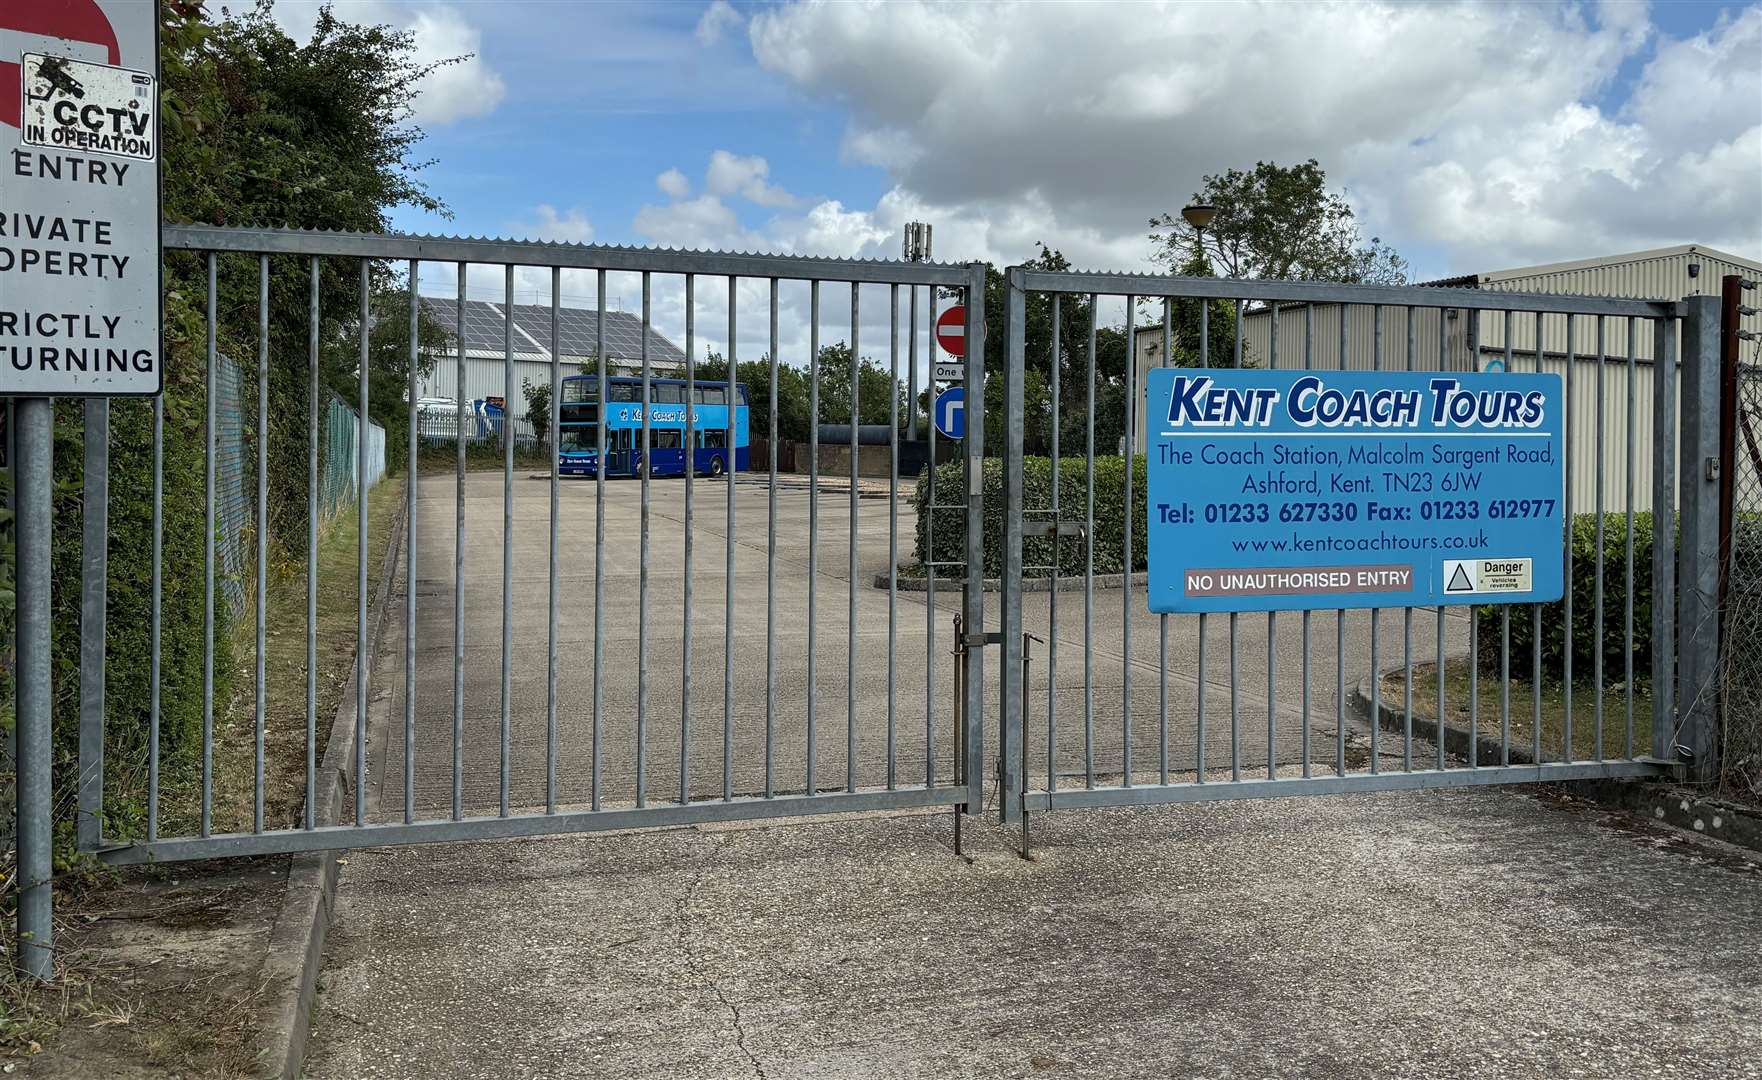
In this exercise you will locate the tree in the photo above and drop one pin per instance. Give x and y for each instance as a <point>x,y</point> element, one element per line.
<point>538,407</point>
<point>1075,405</point>
<point>1282,222</point>
<point>792,397</point>
<point>875,385</point>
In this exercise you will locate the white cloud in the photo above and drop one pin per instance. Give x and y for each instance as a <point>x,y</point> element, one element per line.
<point>673,184</point>
<point>570,227</point>
<point>440,32</point>
<point>716,20</point>
<point>1481,131</point>
<point>704,222</point>
<point>732,174</point>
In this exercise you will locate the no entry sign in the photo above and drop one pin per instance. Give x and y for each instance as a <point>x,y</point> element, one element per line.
<point>951,331</point>
<point>79,198</point>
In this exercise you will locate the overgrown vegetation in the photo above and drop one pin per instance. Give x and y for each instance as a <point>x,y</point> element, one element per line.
<point>259,131</point>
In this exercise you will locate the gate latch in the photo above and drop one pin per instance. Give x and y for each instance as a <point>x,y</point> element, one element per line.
<point>1046,530</point>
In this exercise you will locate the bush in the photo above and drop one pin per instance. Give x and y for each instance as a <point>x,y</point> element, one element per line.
<point>1037,555</point>
<point>1583,582</point>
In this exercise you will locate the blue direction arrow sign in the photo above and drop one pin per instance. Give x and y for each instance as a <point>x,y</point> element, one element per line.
<point>950,412</point>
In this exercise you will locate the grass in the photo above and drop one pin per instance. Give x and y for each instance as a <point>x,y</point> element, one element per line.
<point>1488,716</point>
<point>195,1014</point>
<point>480,456</point>
<point>284,787</point>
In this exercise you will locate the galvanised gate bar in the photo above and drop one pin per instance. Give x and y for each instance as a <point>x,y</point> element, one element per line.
<point>643,754</point>
<point>1116,706</point>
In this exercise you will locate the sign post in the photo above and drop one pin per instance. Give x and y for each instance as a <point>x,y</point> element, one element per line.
<point>79,316</point>
<point>1287,490</point>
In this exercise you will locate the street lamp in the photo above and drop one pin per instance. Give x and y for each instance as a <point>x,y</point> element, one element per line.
<point>916,249</point>
<point>1199,215</point>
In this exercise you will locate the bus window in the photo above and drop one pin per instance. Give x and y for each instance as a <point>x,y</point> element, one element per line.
<point>623,391</point>
<point>666,394</point>
<point>715,439</point>
<point>666,440</point>
<point>712,395</point>
<point>578,390</point>
<point>743,393</point>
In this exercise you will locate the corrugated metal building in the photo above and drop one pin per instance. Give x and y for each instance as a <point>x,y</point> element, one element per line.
<point>1460,340</point>
<point>577,331</point>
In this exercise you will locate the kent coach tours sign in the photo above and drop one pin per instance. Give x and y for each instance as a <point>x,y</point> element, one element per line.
<point>79,197</point>
<point>1276,490</point>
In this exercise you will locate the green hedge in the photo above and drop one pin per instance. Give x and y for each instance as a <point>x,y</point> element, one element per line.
<point>1110,509</point>
<point>1583,581</point>
<point>1584,626</point>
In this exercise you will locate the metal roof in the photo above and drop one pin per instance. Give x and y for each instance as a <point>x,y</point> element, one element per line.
<point>577,331</point>
<point>1492,276</point>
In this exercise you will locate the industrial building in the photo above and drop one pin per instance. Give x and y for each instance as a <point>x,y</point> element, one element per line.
<point>1590,354</point>
<point>486,374</point>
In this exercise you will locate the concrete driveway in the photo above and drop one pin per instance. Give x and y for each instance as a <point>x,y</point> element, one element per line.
<point>1469,933</point>
<point>910,693</point>
<point>1456,933</point>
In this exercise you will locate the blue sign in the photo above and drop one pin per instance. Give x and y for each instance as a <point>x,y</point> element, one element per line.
<point>1276,490</point>
<point>950,413</point>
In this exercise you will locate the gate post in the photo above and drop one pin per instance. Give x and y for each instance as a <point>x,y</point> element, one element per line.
<point>1010,765</point>
<point>1698,581</point>
<point>35,793</point>
<point>975,595</point>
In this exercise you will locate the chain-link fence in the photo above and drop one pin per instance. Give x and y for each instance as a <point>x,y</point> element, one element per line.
<point>235,474</point>
<point>1742,696</point>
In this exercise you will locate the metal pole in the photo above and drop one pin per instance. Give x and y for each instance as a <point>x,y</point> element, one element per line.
<point>1011,747</point>
<point>94,574</point>
<point>35,790</point>
<point>1698,582</point>
<point>911,401</point>
<point>1664,440</point>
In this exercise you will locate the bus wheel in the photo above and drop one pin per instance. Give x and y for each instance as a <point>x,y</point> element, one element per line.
<point>715,466</point>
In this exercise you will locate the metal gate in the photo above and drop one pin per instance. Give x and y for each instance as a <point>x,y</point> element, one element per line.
<point>580,720</point>
<point>1105,704</point>
<point>658,699</point>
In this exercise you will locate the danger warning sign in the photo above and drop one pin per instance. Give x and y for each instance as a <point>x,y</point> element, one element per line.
<point>1486,575</point>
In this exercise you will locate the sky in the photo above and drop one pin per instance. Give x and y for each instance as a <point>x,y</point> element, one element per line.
<point>1469,136</point>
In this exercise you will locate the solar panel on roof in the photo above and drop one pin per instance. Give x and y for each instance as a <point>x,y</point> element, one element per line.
<point>577,332</point>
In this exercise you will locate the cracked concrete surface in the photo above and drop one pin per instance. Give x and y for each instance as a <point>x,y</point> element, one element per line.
<point>683,917</point>
<point>1481,933</point>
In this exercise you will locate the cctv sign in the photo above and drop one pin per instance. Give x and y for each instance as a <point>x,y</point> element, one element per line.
<point>79,198</point>
<point>91,108</point>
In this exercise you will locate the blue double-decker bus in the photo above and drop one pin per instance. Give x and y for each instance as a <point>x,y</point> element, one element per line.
<point>579,415</point>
